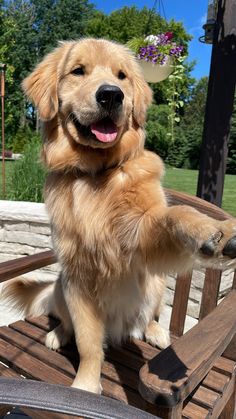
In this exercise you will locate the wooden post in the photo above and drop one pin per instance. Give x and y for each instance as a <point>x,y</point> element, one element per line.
<point>219,106</point>
<point>2,94</point>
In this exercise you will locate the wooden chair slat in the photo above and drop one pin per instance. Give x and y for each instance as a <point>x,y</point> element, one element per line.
<point>24,360</point>
<point>216,381</point>
<point>206,397</point>
<point>180,304</point>
<point>210,292</point>
<point>43,322</point>
<point>222,402</point>
<point>29,366</point>
<point>39,351</point>
<point>224,366</point>
<point>31,341</point>
<point>194,411</point>
<point>7,372</point>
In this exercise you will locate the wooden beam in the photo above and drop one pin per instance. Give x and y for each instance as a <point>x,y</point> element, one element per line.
<point>219,106</point>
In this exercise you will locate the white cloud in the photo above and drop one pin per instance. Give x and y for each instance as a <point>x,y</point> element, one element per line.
<point>203,19</point>
<point>197,30</point>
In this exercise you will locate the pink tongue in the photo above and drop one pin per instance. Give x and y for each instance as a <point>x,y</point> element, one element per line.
<point>105,131</point>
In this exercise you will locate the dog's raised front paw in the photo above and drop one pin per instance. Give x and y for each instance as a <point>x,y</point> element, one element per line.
<point>221,246</point>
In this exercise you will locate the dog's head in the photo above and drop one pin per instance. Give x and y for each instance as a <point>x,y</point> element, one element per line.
<point>94,87</point>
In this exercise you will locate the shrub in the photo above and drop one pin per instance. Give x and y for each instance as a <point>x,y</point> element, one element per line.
<point>28,176</point>
<point>23,137</point>
<point>156,139</point>
<point>156,130</point>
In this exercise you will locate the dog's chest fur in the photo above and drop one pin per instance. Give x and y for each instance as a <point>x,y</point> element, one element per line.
<point>102,215</point>
<point>97,237</point>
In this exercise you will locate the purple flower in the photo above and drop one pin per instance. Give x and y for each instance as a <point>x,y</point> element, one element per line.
<point>159,48</point>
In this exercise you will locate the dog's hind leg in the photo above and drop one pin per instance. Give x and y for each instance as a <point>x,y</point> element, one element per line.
<point>61,335</point>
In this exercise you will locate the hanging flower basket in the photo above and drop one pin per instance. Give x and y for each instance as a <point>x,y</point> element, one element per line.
<point>154,73</point>
<point>156,55</point>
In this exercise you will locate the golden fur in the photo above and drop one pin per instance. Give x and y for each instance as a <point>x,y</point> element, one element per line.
<point>113,232</point>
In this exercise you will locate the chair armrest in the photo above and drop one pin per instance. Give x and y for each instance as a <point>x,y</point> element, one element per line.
<point>16,267</point>
<point>181,198</point>
<point>173,374</point>
<point>67,400</point>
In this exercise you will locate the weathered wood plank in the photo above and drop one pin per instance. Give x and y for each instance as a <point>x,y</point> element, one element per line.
<point>193,411</point>
<point>16,267</point>
<point>216,381</point>
<point>210,292</point>
<point>180,304</point>
<point>173,374</point>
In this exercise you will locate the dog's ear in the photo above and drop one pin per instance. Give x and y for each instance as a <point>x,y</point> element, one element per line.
<point>41,85</point>
<point>142,99</point>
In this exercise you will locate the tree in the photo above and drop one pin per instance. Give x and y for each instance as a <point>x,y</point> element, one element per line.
<point>156,132</point>
<point>58,20</point>
<point>186,151</point>
<point>128,22</point>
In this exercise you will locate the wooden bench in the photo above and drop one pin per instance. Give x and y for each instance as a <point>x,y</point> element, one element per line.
<point>190,379</point>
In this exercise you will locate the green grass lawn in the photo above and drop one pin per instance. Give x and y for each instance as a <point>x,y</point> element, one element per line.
<point>186,181</point>
<point>9,166</point>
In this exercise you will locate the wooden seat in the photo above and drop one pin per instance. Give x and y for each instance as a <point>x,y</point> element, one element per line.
<point>190,379</point>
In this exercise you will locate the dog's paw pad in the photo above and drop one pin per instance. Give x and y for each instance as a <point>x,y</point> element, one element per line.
<point>230,248</point>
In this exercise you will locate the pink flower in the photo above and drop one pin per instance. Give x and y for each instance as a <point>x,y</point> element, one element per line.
<point>169,35</point>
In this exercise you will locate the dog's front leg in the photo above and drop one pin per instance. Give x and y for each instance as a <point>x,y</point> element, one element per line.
<point>181,235</point>
<point>89,335</point>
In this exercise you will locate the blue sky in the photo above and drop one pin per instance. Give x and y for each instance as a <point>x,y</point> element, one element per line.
<point>191,12</point>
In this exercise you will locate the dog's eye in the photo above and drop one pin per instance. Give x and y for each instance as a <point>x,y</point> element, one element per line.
<point>121,75</point>
<point>79,71</point>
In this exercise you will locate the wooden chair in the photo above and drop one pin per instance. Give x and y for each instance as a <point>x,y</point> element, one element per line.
<point>193,378</point>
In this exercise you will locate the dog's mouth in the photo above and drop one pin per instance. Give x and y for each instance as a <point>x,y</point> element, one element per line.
<point>104,130</point>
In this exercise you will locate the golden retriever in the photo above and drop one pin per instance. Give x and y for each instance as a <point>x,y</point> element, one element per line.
<point>113,232</point>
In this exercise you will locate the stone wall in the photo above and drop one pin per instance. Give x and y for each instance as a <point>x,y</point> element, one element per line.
<point>25,230</point>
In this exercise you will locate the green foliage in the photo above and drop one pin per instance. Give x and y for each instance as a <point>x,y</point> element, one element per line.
<point>157,139</point>
<point>174,95</point>
<point>24,136</point>
<point>156,132</point>
<point>185,151</point>
<point>28,176</point>
<point>176,151</point>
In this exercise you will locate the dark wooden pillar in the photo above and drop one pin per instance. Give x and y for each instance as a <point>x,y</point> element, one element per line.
<point>219,106</point>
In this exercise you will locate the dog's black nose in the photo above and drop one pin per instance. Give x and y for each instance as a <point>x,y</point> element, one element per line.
<point>109,97</point>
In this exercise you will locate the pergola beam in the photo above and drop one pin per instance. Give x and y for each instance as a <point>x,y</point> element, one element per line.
<point>219,106</point>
